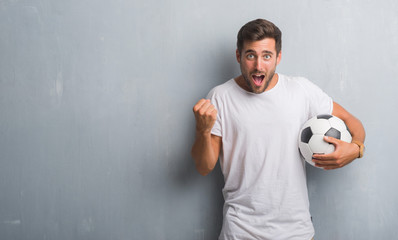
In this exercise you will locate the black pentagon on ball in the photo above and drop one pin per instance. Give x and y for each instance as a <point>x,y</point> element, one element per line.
<point>324,116</point>
<point>332,132</point>
<point>306,134</point>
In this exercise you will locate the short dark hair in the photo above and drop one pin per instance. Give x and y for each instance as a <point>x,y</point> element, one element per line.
<point>257,30</point>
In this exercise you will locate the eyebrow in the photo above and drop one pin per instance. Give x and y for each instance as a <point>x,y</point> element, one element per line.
<point>265,51</point>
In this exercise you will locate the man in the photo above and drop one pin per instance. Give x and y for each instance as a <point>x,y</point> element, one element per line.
<point>252,122</point>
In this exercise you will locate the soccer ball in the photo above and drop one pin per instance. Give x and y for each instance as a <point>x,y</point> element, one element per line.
<point>312,134</point>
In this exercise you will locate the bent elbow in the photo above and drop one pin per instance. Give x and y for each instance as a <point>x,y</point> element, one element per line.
<point>204,172</point>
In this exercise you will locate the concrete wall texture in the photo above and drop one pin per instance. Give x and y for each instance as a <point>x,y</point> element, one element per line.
<point>96,120</point>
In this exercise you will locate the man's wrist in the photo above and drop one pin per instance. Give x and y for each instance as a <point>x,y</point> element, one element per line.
<point>203,133</point>
<point>361,147</point>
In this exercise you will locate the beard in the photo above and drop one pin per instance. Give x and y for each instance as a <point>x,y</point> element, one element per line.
<point>258,89</point>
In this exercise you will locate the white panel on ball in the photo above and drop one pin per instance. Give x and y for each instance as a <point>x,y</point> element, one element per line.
<point>346,136</point>
<point>310,122</point>
<point>318,145</point>
<point>305,150</point>
<point>320,126</point>
<point>337,123</point>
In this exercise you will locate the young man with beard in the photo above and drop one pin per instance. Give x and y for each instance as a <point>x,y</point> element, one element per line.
<point>252,123</point>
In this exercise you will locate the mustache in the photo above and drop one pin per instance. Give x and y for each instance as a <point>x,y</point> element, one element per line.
<point>258,73</point>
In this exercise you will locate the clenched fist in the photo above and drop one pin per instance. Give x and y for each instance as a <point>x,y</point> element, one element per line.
<point>205,115</point>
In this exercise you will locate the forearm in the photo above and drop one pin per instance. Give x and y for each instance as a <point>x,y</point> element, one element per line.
<point>356,129</point>
<point>204,153</point>
<point>354,125</point>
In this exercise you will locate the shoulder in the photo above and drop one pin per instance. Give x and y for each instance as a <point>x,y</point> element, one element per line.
<point>298,83</point>
<point>295,80</point>
<point>222,89</point>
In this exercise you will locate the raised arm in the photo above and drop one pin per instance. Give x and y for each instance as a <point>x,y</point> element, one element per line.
<point>345,152</point>
<point>206,148</point>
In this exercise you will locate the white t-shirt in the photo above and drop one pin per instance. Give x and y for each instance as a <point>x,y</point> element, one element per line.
<point>265,188</point>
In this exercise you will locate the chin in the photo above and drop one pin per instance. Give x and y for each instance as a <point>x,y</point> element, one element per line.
<point>258,91</point>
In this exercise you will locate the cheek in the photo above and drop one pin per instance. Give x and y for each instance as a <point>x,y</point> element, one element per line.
<point>244,66</point>
<point>249,65</point>
<point>270,64</point>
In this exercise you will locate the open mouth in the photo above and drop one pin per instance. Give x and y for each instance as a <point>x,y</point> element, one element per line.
<point>258,79</point>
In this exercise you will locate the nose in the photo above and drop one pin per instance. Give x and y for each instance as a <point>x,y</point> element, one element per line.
<point>259,65</point>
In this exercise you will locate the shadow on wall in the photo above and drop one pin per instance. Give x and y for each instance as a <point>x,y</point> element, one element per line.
<point>221,69</point>
<point>224,68</point>
<point>207,199</point>
<point>184,173</point>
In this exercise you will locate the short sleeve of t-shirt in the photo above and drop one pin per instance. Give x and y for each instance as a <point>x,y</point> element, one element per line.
<point>216,130</point>
<point>318,101</point>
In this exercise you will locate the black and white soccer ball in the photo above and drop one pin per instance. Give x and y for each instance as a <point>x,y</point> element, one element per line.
<point>313,131</point>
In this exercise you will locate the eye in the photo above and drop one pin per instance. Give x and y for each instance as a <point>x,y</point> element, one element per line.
<point>267,57</point>
<point>250,56</point>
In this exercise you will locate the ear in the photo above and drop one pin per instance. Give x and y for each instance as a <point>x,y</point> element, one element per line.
<point>279,57</point>
<point>237,56</point>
